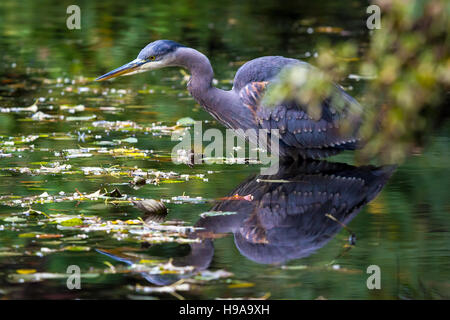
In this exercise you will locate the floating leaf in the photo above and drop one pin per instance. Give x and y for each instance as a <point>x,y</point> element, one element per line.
<point>130,140</point>
<point>96,194</point>
<point>172,181</point>
<point>49,236</point>
<point>73,109</point>
<point>85,118</point>
<point>207,275</point>
<point>216,213</point>
<point>14,219</point>
<point>79,155</point>
<point>77,248</point>
<point>28,235</point>
<point>184,122</point>
<point>39,116</point>
<point>166,289</point>
<point>72,222</point>
<point>241,285</point>
<point>26,271</point>
<point>10,254</point>
<point>40,276</point>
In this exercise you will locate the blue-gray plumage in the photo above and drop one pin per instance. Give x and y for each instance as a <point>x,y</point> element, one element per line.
<point>159,49</point>
<point>242,107</point>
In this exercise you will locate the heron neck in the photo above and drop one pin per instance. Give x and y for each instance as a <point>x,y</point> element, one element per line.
<point>199,66</point>
<point>221,104</point>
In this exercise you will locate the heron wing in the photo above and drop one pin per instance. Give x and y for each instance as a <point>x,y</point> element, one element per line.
<point>296,128</point>
<point>252,94</point>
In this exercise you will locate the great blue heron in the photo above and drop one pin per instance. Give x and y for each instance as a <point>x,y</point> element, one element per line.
<point>242,107</point>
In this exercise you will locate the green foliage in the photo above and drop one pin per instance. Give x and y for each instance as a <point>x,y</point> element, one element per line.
<point>408,65</point>
<point>410,57</point>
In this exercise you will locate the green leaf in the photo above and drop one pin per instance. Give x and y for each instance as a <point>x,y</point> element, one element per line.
<point>130,140</point>
<point>14,219</point>
<point>72,222</point>
<point>77,248</point>
<point>184,122</point>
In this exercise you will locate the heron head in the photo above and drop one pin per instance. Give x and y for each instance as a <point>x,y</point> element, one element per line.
<point>155,55</point>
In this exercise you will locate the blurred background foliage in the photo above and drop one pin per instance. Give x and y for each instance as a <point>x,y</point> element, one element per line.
<point>409,57</point>
<point>408,64</point>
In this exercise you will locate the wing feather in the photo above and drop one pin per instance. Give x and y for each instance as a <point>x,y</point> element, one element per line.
<point>297,129</point>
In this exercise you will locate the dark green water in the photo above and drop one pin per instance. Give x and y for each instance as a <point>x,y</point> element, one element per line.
<point>404,230</point>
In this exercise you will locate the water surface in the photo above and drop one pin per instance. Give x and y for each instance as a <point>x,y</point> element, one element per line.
<point>102,135</point>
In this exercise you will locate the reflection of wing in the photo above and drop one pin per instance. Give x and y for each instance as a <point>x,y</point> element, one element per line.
<point>287,220</point>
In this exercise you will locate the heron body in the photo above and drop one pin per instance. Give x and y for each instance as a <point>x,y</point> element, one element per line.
<point>242,107</point>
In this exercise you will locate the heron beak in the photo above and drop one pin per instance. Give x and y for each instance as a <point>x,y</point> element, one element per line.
<point>130,67</point>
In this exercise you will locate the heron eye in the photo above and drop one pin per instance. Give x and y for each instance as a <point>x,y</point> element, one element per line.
<point>152,58</point>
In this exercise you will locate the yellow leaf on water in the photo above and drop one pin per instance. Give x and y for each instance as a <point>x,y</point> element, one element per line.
<point>172,181</point>
<point>241,285</point>
<point>135,154</point>
<point>26,271</point>
<point>147,261</point>
<point>72,222</point>
<point>133,222</point>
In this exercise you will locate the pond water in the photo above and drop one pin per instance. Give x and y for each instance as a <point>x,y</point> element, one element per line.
<point>67,142</point>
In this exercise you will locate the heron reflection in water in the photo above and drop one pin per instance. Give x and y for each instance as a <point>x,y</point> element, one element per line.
<point>292,214</point>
